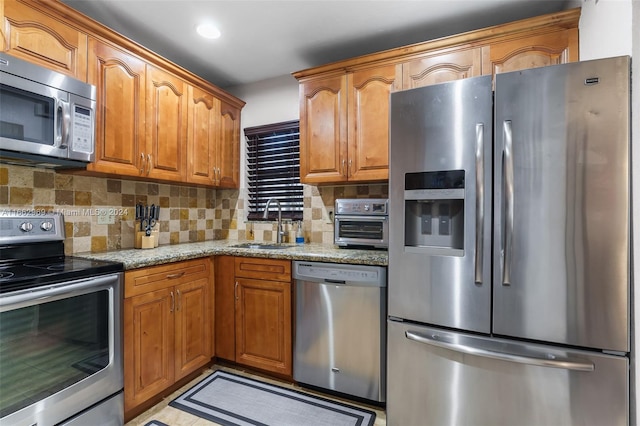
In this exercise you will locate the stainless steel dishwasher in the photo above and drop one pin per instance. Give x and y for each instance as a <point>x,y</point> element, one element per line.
<point>340,328</point>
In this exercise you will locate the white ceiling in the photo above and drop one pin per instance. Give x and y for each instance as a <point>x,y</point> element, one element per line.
<point>263,39</point>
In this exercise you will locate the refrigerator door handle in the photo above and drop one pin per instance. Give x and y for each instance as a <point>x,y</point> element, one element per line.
<point>542,359</point>
<point>479,201</point>
<point>508,201</point>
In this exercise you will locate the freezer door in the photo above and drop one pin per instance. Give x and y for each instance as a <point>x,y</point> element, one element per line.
<point>561,204</point>
<point>440,204</point>
<point>437,377</point>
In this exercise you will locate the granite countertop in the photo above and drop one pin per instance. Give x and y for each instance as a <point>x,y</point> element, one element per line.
<point>140,258</point>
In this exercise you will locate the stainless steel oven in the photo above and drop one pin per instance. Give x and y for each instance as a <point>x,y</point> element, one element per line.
<point>60,329</point>
<point>362,222</point>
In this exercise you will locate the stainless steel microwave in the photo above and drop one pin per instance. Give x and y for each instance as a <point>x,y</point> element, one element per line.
<point>362,223</point>
<point>46,118</point>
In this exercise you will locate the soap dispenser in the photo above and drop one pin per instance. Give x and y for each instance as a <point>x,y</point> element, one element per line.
<point>299,235</point>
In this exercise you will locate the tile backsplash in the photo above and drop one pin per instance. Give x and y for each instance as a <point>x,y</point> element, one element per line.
<point>187,214</point>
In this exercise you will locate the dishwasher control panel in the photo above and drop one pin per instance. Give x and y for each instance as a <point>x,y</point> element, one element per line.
<point>331,272</point>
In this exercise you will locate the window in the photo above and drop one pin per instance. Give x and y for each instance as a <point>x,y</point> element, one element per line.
<point>273,170</point>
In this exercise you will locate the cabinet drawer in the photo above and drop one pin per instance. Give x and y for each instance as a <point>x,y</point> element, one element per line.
<point>263,269</point>
<point>154,278</point>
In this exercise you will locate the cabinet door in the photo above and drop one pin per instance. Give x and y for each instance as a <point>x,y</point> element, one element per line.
<point>368,118</point>
<point>148,345</point>
<point>263,325</point>
<point>225,299</point>
<point>166,125</point>
<point>531,52</point>
<point>228,161</point>
<point>202,137</point>
<point>193,327</point>
<point>42,39</point>
<point>120,134</point>
<point>442,67</point>
<point>323,130</point>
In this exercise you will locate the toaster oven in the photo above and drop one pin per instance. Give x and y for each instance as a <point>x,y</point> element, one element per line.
<point>362,223</point>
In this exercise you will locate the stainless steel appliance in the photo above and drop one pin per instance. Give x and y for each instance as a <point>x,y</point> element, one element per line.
<point>46,118</point>
<point>362,222</point>
<point>524,320</point>
<point>340,329</point>
<point>60,328</point>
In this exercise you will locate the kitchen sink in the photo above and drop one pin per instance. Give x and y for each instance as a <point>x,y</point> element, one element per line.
<point>264,246</point>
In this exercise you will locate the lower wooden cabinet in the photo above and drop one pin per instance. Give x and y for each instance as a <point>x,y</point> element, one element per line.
<point>253,313</point>
<point>167,326</point>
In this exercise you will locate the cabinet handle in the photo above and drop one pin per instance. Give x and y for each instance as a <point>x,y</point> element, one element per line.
<point>173,302</point>
<point>142,163</point>
<point>235,291</point>
<point>350,172</point>
<point>149,164</point>
<point>219,176</point>
<point>179,300</point>
<point>174,276</point>
<point>213,178</point>
<point>344,167</point>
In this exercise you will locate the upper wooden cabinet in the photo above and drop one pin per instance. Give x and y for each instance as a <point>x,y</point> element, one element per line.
<point>442,67</point>
<point>344,125</point>
<point>166,115</point>
<point>228,158</point>
<point>145,125</point>
<point>44,39</point>
<point>202,140</point>
<point>120,115</point>
<point>368,121</point>
<point>323,129</point>
<point>344,106</point>
<point>558,47</point>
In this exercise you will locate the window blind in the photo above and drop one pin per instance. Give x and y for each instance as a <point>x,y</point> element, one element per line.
<point>273,170</point>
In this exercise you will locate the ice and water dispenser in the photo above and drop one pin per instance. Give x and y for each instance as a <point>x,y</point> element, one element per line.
<point>434,212</point>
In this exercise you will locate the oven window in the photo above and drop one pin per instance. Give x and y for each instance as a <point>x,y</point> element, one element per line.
<point>360,229</point>
<point>26,116</point>
<point>47,347</point>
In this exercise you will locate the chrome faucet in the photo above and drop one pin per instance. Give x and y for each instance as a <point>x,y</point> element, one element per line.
<point>265,215</point>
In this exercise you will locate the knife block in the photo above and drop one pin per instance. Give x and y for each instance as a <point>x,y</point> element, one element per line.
<point>144,242</point>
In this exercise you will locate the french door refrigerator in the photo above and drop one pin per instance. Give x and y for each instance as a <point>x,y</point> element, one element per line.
<point>509,254</point>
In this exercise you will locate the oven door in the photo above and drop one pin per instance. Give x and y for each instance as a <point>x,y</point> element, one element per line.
<point>361,231</point>
<point>60,350</point>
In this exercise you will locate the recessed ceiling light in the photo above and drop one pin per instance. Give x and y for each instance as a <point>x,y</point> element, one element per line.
<point>208,31</point>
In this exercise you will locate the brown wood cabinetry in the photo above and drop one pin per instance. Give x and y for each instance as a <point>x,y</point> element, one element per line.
<point>120,115</point>
<point>166,131</point>
<point>168,326</point>
<point>44,39</point>
<point>144,119</point>
<point>203,138</point>
<point>554,48</point>
<point>441,67</point>
<point>344,105</point>
<point>257,295</point>
<point>228,158</point>
<point>344,125</point>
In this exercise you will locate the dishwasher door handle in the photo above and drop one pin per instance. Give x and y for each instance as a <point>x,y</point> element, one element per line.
<point>335,281</point>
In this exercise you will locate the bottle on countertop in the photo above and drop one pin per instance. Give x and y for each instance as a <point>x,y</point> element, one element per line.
<point>299,235</point>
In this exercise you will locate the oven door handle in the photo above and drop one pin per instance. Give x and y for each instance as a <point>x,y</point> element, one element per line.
<point>371,218</point>
<point>56,291</point>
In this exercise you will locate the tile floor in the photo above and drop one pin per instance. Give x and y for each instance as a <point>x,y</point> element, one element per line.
<point>174,417</point>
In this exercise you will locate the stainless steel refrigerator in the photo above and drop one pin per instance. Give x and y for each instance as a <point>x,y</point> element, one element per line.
<point>509,254</point>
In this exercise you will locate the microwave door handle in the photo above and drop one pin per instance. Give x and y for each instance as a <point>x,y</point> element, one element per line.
<point>64,120</point>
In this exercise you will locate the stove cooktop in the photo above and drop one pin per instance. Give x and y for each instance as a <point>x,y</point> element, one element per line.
<point>38,272</point>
